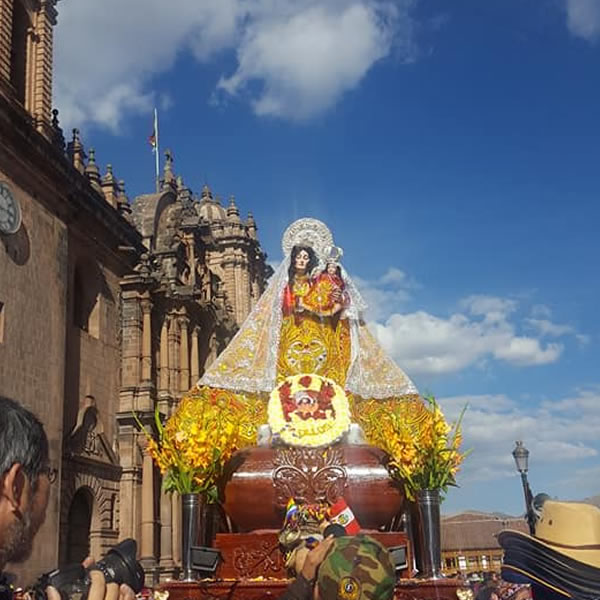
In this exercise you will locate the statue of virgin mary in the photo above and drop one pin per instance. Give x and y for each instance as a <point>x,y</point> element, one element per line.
<point>309,320</point>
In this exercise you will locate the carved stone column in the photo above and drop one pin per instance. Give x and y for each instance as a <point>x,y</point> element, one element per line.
<point>30,72</point>
<point>146,305</point>
<point>164,356</point>
<point>255,290</point>
<point>195,356</point>
<point>230,287</point>
<point>148,523</point>
<point>42,92</point>
<point>184,356</point>
<point>246,289</point>
<point>239,300</point>
<point>173,355</point>
<point>130,334</point>
<point>176,529</point>
<point>6,16</point>
<point>166,531</point>
<point>212,353</point>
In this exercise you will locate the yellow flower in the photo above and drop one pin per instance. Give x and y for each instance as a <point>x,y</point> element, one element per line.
<point>423,447</point>
<point>203,433</point>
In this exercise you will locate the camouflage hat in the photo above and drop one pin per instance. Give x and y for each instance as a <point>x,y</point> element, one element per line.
<point>357,568</point>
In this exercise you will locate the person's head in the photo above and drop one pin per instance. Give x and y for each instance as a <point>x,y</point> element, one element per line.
<point>487,593</point>
<point>358,568</point>
<point>25,478</point>
<point>302,261</point>
<point>334,269</point>
<point>490,577</point>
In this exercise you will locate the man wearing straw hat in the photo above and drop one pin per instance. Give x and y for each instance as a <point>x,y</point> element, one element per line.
<point>562,559</point>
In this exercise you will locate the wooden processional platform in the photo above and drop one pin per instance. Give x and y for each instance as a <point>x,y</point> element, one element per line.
<point>261,482</point>
<point>409,589</point>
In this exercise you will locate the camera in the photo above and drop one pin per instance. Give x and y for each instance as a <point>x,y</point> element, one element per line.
<point>73,582</point>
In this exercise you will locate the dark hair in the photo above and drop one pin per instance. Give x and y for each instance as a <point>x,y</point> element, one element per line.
<point>338,269</point>
<point>312,261</point>
<point>22,439</point>
<point>485,593</point>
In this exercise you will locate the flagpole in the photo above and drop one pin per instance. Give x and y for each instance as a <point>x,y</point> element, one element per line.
<point>156,151</point>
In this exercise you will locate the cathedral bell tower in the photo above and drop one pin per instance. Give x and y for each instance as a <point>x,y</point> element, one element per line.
<point>26,32</point>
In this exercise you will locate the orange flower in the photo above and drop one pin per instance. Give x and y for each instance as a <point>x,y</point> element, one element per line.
<point>424,449</point>
<point>192,447</point>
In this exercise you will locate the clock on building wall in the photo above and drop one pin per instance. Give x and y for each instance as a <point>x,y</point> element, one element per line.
<point>10,211</point>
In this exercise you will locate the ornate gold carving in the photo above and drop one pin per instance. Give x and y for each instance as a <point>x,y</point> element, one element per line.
<point>309,345</point>
<point>310,475</point>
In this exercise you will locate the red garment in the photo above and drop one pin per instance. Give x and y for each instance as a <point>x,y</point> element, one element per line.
<point>341,514</point>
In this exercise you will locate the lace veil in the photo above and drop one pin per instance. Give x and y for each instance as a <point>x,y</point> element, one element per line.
<point>249,362</point>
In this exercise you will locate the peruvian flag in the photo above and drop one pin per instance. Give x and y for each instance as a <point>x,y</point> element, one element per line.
<point>341,514</point>
<point>153,138</point>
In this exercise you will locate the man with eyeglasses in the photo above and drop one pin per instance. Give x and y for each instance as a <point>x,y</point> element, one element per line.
<point>25,479</point>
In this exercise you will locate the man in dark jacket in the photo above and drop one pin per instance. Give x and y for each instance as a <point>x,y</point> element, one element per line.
<point>25,479</point>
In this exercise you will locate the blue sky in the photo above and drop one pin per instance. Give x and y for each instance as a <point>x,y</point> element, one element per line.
<point>453,149</point>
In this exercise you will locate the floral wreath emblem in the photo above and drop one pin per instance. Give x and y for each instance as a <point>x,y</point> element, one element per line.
<point>348,588</point>
<point>309,411</point>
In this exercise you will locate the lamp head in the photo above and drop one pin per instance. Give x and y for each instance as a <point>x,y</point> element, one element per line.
<point>521,456</point>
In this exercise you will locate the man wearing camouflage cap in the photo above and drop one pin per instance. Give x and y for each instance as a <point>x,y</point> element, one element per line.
<point>349,568</point>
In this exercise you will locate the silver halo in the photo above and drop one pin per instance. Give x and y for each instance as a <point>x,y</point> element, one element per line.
<point>307,232</point>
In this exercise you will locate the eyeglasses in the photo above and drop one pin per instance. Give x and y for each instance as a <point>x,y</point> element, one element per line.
<point>50,472</point>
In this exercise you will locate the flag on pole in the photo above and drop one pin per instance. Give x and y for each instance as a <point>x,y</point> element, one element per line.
<point>341,514</point>
<point>153,139</point>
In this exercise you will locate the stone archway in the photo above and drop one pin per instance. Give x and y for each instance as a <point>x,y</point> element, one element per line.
<point>79,522</point>
<point>100,517</point>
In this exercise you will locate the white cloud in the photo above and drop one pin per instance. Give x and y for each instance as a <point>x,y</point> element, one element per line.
<point>581,478</point>
<point>394,276</point>
<point>295,58</point>
<point>387,293</point>
<point>556,433</point>
<point>425,343</point>
<point>540,322</point>
<point>490,307</point>
<point>541,311</point>
<point>103,64</point>
<point>548,328</point>
<point>526,351</point>
<point>304,60</point>
<point>484,328</point>
<point>583,19</point>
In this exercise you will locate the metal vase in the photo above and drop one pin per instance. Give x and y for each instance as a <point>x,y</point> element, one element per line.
<point>191,523</point>
<point>428,503</point>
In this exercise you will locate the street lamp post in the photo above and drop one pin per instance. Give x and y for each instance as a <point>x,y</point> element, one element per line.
<point>521,456</point>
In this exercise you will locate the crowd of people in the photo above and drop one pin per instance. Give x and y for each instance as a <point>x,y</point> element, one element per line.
<point>350,567</point>
<point>491,587</point>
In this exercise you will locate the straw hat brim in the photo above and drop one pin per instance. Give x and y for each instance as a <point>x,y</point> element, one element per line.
<point>587,555</point>
<point>551,565</point>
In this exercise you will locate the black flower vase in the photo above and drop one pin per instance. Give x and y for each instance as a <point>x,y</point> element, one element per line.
<point>429,529</point>
<point>192,524</point>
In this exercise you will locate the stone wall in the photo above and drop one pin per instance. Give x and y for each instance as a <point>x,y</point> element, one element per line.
<point>33,291</point>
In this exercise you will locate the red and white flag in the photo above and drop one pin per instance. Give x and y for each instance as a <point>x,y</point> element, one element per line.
<point>341,514</point>
<point>153,139</point>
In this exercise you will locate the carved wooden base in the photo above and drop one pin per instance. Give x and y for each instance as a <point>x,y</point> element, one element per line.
<point>251,555</point>
<point>311,476</point>
<point>413,589</point>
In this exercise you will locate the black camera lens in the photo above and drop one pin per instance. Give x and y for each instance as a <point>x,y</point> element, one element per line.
<point>120,566</point>
<point>73,582</point>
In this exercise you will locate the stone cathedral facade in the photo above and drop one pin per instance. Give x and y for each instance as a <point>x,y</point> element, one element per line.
<point>107,307</point>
